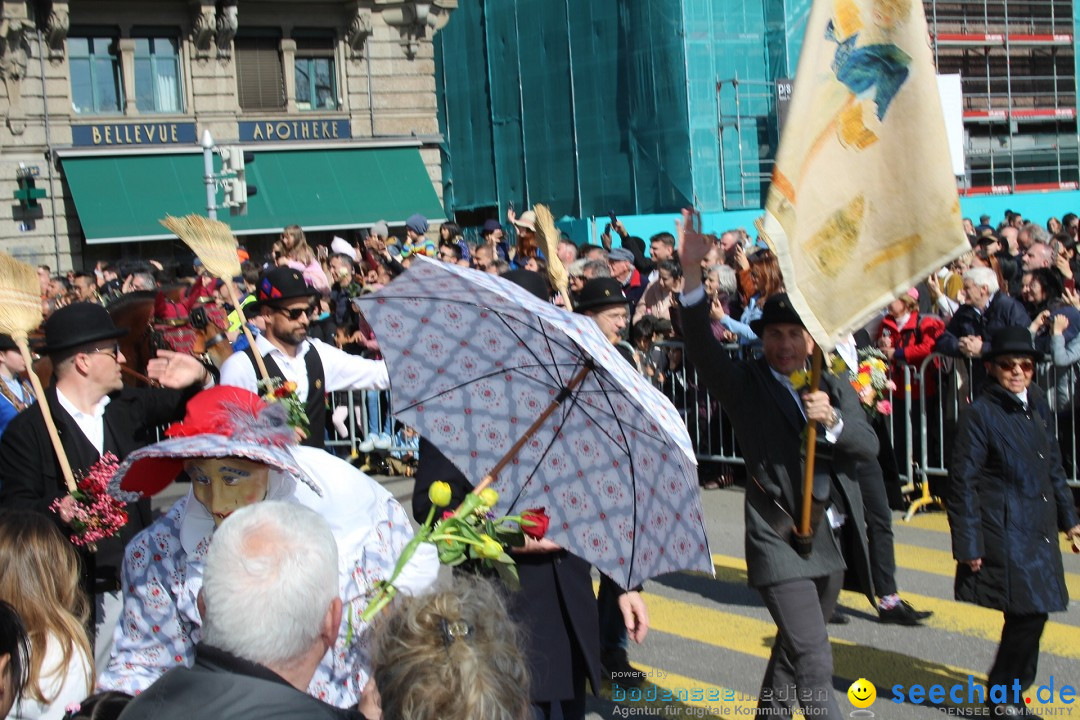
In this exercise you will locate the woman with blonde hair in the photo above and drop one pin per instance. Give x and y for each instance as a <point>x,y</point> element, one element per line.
<point>297,254</point>
<point>39,578</point>
<point>453,654</point>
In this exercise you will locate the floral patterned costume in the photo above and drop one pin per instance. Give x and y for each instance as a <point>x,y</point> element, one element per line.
<point>163,573</point>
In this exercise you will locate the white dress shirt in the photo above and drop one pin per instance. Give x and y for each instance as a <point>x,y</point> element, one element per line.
<point>91,424</point>
<point>341,370</point>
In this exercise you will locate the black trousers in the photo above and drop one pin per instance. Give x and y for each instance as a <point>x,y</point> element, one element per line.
<point>879,529</point>
<point>1018,654</point>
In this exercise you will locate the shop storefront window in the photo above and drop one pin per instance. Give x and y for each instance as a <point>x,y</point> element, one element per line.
<point>96,85</point>
<point>157,75</point>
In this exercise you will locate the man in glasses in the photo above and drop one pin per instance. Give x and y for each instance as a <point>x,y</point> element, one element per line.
<point>286,304</point>
<point>94,414</point>
<point>1007,501</point>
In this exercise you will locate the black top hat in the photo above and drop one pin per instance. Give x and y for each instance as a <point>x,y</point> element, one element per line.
<point>777,311</point>
<point>534,282</point>
<point>281,284</point>
<point>1014,340</point>
<point>78,324</point>
<point>599,293</point>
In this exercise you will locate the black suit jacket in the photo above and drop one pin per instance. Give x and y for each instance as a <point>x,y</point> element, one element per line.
<point>768,425</point>
<point>30,475</point>
<point>556,606</point>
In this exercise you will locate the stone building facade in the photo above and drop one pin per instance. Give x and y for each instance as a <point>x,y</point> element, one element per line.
<point>100,95</point>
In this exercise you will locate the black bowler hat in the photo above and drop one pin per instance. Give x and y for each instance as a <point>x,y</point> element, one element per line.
<point>529,280</point>
<point>280,284</point>
<point>777,311</point>
<point>1013,340</point>
<point>599,293</point>
<point>78,324</point>
<point>6,343</point>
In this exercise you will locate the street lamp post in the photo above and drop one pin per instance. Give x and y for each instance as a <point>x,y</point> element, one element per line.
<point>208,175</point>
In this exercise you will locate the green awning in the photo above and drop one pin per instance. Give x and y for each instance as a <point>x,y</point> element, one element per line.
<point>120,198</point>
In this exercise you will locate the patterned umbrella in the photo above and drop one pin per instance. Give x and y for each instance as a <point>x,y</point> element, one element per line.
<point>477,362</point>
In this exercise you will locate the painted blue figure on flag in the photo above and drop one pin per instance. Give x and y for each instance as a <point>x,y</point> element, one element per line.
<point>881,67</point>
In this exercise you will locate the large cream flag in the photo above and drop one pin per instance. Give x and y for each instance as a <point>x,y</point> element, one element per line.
<point>863,201</point>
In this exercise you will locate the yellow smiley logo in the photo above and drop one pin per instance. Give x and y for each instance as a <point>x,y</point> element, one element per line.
<point>862,693</point>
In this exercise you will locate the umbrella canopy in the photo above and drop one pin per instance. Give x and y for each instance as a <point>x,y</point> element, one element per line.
<point>476,360</point>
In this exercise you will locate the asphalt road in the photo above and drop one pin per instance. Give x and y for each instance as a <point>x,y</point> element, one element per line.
<point>710,637</point>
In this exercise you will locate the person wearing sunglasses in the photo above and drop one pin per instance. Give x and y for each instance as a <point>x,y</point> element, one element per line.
<point>1007,501</point>
<point>286,304</point>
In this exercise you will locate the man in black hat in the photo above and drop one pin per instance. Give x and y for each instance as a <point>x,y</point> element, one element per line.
<point>602,300</point>
<point>799,587</point>
<point>94,414</point>
<point>286,304</point>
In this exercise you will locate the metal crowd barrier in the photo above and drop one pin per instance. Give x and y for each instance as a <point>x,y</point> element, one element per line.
<point>926,408</point>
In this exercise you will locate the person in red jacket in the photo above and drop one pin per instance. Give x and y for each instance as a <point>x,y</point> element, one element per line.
<point>907,338</point>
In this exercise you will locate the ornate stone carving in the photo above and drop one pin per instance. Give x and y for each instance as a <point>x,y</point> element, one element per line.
<point>15,31</point>
<point>228,20</point>
<point>440,14</point>
<point>410,19</point>
<point>415,18</point>
<point>56,30</point>
<point>203,27</point>
<point>360,30</point>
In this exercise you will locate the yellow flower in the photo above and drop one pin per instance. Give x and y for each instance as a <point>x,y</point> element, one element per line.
<point>490,549</point>
<point>838,366</point>
<point>439,493</point>
<point>489,497</point>
<point>799,378</point>
<point>864,378</point>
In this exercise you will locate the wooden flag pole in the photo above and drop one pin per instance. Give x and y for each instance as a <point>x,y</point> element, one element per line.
<point>804,528</point>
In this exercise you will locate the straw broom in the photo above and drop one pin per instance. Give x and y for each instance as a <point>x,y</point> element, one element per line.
<point>549,243</point>
<point>214,243</point>
<point>20,312</point>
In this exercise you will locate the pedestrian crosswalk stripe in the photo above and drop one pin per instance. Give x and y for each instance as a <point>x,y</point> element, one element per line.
<point>961,618</point>
<point>940,562</point>
<point>749,636</point>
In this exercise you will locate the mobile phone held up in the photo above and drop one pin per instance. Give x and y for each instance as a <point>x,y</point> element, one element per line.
<point>614,218</point>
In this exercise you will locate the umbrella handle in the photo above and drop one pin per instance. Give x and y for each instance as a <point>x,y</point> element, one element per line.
<point>578,378</point>
<point>50,424</point>
<point>811,444</point>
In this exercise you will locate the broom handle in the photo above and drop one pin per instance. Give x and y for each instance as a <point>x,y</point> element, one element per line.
<point>50,425</point>
<point>235,297</point>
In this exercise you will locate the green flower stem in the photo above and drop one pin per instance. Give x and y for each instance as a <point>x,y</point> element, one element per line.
<point>387,590</point>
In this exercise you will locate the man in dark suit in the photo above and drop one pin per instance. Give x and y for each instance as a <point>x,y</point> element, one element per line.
<point>94,414</point>
<point>769,415</point>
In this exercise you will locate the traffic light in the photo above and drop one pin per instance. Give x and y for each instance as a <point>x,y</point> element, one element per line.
<point>233,169</point>
<point>28,195</point>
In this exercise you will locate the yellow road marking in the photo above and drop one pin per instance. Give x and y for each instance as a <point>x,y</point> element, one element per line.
<point>939,562</point>
<point>749,636</point>
<point>1058,638</point>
